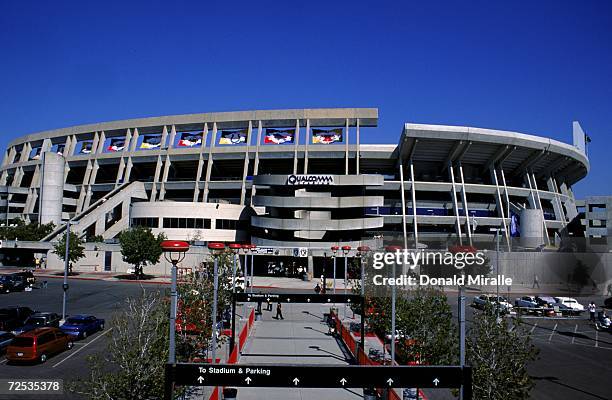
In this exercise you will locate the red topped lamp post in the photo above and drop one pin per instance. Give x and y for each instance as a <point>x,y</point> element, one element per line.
<point>362,251</point>
<point>234,249</point>
<point>334,250</point>
<point>174,253</point>
<point>216,249</point>
<point>393,249</point>
<point>252,249</point>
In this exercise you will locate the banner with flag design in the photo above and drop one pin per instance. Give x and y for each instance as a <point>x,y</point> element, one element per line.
<point>326,136</point>
<point>279,136</point>
<point>233,137</point>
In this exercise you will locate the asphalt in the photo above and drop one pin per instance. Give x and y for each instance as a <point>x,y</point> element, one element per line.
<point>100,298</point>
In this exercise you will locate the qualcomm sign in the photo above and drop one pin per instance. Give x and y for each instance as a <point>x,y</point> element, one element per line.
<point>294,180</point>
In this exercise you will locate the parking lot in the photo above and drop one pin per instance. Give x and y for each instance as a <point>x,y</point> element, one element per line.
<point>574,358</point>
<point>99,298</point>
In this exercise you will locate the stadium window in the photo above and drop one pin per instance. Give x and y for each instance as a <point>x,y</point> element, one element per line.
<point>206,224</point>
<point>191,223</point>
<point>182,223</point>
<point>199,223</point>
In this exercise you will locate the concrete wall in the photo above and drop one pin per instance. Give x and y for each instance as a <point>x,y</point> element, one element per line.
<point>52,188</point>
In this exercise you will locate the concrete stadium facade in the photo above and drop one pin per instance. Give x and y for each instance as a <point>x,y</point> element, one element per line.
<point>437,183</point>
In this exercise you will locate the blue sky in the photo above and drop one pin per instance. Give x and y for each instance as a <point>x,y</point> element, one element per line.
<point>533,67</point>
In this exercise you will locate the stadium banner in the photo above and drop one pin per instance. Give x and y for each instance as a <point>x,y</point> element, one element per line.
<point>151,142</point>
<point>35,153</point>
<point>115,145</point>
<point>279,136</point>
<point>86,147</point>
<point>189,139</point>
<point>326,136</point>
<point>233,137</point>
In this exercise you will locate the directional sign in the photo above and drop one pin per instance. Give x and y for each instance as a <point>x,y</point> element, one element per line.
<point>319,376</point>
<point>298,298</point>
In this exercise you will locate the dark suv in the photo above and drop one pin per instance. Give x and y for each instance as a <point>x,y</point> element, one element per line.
<point>13,317</point>
<point>11,283</point>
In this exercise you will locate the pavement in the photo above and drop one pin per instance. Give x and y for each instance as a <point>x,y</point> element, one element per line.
<point>301,338</point>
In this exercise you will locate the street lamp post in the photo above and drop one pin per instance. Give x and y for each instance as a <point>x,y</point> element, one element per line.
<point>393,249</point>
<point>216,250</point>
<point>361,252</point>
<point>497,230</point>
<point>234,249</point>
<point>174,253</point>
<point>334,250</point>
<point>345,251</point>
<point>66,265</point>
<point>252,249</point>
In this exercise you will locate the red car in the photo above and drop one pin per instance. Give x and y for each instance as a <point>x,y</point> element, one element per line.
<point>38,345</point>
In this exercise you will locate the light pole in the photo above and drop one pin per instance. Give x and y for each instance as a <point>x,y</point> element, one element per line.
<point>66,265</point>
<point>497,230</point>
<point>216,249</point>
<point>245,268</point>
<point>252,249</point>
<point>345,251</point>
<point>334,250</point>
<point>234,249</point>
<point>393,249</point>
<point>361,252</point>
<point>174,253</point>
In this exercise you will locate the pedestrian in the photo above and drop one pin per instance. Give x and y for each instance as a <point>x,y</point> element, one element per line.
<point>44,284</point>
<point>536,282</point>
<point>592,309</point>
<point>259,306</point>
<point>317,289</point>
<point>268,305</point>
<point>279,311</point>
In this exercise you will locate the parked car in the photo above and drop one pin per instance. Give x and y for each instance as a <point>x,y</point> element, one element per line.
<point>545,301</point>
<point>526,302</point>
<point>39,320</point>
<point>608,302</point>
<point>27,275</point>
<point>38,345</point>
<point>11,283</point>
<point>13,317</point>
<point>82,326</point>
<point>571,303</point>
<point>5,339</point>
<point>482,300</point>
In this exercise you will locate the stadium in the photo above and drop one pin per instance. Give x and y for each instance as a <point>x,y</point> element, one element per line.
<point>291,180</point>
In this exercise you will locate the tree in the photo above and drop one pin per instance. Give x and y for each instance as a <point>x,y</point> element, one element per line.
<point>21,230</point>
<point>75,249</point>
<point>498,353</point>
<point>132,366</point>
<point>140,247</point>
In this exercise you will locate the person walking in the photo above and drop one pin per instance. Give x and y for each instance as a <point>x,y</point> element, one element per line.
<point>536,282</point>
<point>259,306</point>
<point>317,289</point>
<point>268,305</point>
<point>592,309</point>
<point>279,311</point>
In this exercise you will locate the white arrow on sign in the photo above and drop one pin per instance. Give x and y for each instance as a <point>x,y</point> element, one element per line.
<point>343,381</point>
<point>296,381</point>
<point>390,381</point>
<point>248,380</point>
<point>328,300</point>
<point>436,381</point>
<point>200,379</point>
<point>308,299</point>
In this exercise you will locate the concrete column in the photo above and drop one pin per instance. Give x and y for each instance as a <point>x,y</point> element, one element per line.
<point>52,189</point>
<point>466,211</point>
<point>537,192</point>
<point>172,136</point>
<point>306,143</point>
<point>256,165</point>
<point>402,189</point>
<point>346,147</point>
<point>414,206</point>
<point>454,195</point>
<point>245,168</point>
<point>209,165</point>
<point>164,139</point>
<point>500,206</point>
<point>357,154</point>
<point>557,206</point>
